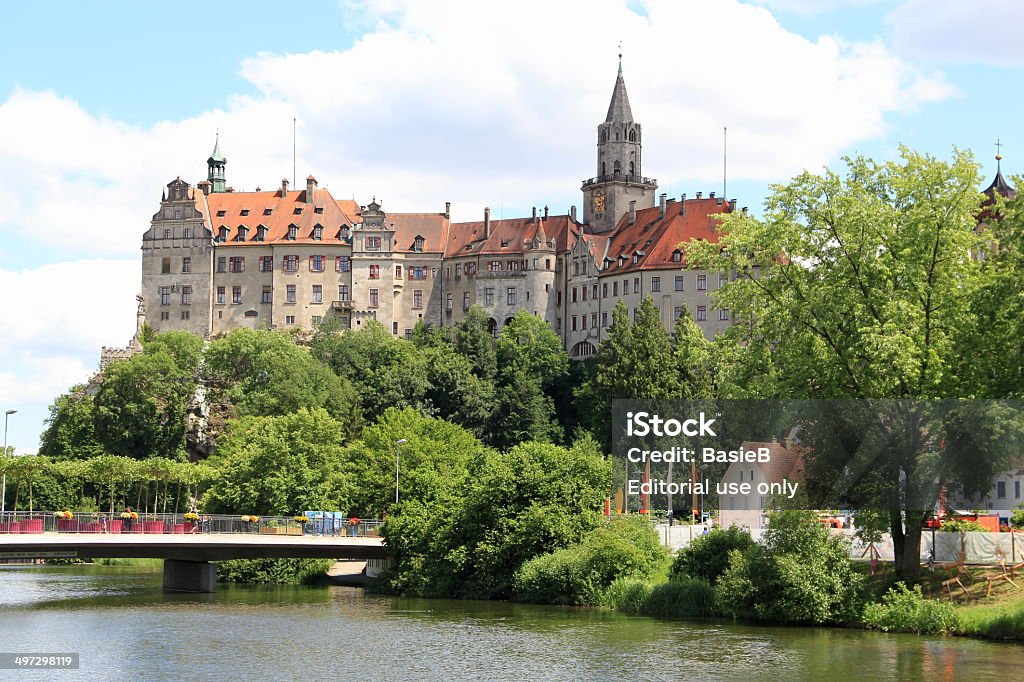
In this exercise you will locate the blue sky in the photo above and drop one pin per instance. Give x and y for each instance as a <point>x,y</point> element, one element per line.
<point>479,103</point>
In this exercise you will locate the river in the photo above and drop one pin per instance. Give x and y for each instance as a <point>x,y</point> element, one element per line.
<point>124,627</point>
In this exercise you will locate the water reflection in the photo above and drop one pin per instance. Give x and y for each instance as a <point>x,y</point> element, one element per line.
<point>125,626</point>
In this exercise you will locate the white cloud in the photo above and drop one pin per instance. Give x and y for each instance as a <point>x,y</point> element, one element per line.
<point>807,7</point>
<point>950,31</point>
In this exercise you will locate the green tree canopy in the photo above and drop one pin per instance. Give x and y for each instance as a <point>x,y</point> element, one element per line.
<point>473,340</point>
<point>70,432</point>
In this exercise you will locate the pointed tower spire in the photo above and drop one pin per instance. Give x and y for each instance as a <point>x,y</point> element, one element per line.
<point>999,184</point>
<point>618,108</point>
<point>215,166</point>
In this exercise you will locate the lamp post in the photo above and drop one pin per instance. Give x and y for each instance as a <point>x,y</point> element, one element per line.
<point>398,442</point>
<point>3,489</point>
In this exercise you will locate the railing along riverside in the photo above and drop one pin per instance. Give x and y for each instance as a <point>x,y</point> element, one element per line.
<point>36,522</point>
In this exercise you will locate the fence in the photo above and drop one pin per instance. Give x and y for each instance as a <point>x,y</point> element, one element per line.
<point>155,524</point>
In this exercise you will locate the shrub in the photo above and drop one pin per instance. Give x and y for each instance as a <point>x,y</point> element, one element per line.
<point>906,610</point>
<point>962,526</point>
<point>802,574</point>
<point>272,571</point>
<point>708,555</point>
<point>627,595</point>
<point>684,598</point>
<point>580,574</point>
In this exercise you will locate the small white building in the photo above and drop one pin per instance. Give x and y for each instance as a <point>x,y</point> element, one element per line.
<point>785,464</point>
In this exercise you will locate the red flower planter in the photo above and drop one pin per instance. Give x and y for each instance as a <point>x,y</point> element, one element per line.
<point>179,529</point>
<point>67,526</point>
<point>10,527</point>
<point>32,526</point>
<point>153,527</point>
<point>114,525</point>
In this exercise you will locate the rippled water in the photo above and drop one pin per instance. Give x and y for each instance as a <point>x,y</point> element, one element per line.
<point>125,627</point>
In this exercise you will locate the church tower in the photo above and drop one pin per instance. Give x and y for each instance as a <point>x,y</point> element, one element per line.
<point>215,168</point>
<point>619,180</point>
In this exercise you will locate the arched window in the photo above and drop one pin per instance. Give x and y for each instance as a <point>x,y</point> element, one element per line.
<point>616,135</point>
<point>604,169</point>
<point>604,136</point>
<point>632,136</point>
<point>618,167</point>
<point>632,168</point>
<point>492,327</point>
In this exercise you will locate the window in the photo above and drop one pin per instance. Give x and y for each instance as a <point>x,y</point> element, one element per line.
<point>242,232</point>
<point>679,282</point>
<point>297,210</point>
<point>342,292</point>
<point>221,213</point>
<point>220,295</point>
<point>458,271</point>
<point>186,295</point>
<point>186,264</point>
<point>237,264</point>
<point>677,256</point>
<point>625,287</point>
<point>291,263</point>
<point>165,295</point>
<point>465,300</point>
<point>317,319</point>
<point>268,295</point>
<point>615,288</point>
<point>165,315</point>
<point>584,292</point>
<point>636,285</point>
<point>318,293</point>
<point>236,294</point>
<point>343,233</point>
<point>417,273</point>
<point>723,314</point>
<point>268,211</point>
<point>374,272</point>
<point>572,324</point>
<point>583,321</point>
<point>289,319</point>
<point>417,298</point>
<point>1016,489</point>
<point>594,292</point>
<point>574,294</point>
<point>702,313</point>
<point>318,232</point>
<point>513,265</point>
<point>293,232</point>
<point>677,312</point>
<point>418,244</point>
<point>655,284</point>
<point>167,234</point>
<point>1000,489</point>
<point>604,290</point>
<point>494,265</point>
<point>593,319</point>
<point>318,209</point>
<point>723,279</point>
<point>289,293</point>
<point>244,211</point>
<point>575,267</point>
<point>394,327</point>
<point>636,258</point>
<point>186,314</point>
<point>398,272</point>
<point>510,295</point>
<point>188,233</point>
<point>222,234</point>
<point>165,265</point>
<point>702,282</point>
<point>448,302</point>
<point>261,233</point>
<point>604,319</point>
<point>222,264</point>
<point>342,264</point>
<point>547,263</point>
<point>373,243</point>
<point>374,297</point>
<point>489,296</point>
<point>316,263</point>
<point>266,263</point>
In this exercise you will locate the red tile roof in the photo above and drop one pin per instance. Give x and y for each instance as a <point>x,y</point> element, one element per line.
<point>466,239</point>
<point>273,211</point>
<point>784,462</point>
<point>656,238</point>
<point>433,227</point>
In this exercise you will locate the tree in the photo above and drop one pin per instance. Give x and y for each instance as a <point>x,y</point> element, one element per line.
<point>861,286</point>
<point>474,340</point>
<point>140,410</point>
<point>528,345</point>
<point>185,347</point>
<point>279,465</point>
<point>522,413</point>
<point>70,432</point>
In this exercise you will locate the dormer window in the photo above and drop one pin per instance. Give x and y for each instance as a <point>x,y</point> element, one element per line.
<point>343,233</point>
<point>245,211</point>
<point>221,213</point>
<point>222,234</point>
<point>293,232</point>
<point>504,243</point>
<point>677,256</point>
<point>297,211</point>
<point>622,260</point>
<point>242,232</point>
<point>268,211</point>
<point>261,233</point>
<point>318,232</point>
<point>318,209</point>
<point>636,258</point>
<point>418,244</point>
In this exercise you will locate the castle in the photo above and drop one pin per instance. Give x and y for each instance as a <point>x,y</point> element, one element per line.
<point>214,259</point>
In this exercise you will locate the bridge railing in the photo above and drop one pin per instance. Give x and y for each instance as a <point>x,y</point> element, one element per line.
<point>152,523</point>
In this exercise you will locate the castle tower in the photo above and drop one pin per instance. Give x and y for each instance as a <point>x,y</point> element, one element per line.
<point>619,177</point>
<point>215,167</point>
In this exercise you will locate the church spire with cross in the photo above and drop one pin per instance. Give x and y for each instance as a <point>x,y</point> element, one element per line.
<point>999,184</point>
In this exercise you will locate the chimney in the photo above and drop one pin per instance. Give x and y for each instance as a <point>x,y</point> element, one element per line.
<point>310,186</point>
<point>732,205</point>
<point>447,209</point>
<point>534,214</point>
<point>632,212</point>
<point>682,209</point>
<point>711,195</point>
<point>661,204</point>
<point>284,187</point>
<point>572,212</point>
<point>204,186</point>
<point>487,222</point>
<point>699,194</point>
<point>545,212</point>
<point>744,209</point>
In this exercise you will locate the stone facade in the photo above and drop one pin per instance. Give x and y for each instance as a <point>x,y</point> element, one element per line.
<point>214,259</point>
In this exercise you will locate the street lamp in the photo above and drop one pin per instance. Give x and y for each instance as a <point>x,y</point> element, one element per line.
<point>398,442</point>
<point>3,490</point>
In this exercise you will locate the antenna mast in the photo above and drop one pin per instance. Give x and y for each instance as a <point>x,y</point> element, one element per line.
<point>725,158</point>
<point>294,175</point>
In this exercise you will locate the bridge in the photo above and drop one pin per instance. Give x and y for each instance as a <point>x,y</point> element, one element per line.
<point>187,556</point>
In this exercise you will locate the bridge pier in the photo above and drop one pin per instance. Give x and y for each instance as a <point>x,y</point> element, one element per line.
<point>189,576</point>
